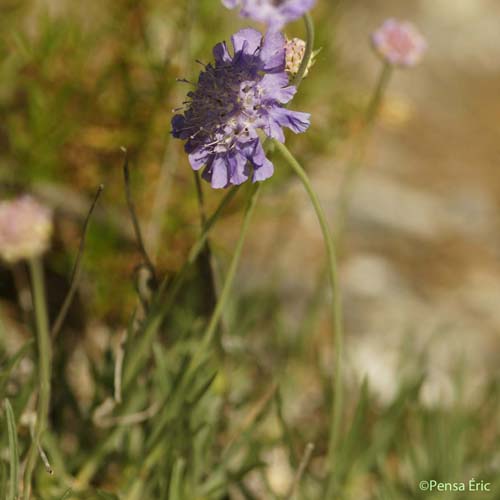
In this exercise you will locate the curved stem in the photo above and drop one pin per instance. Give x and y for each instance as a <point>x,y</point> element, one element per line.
<point>336,303</point>
<point>44,368</point>
<point>308,51</point>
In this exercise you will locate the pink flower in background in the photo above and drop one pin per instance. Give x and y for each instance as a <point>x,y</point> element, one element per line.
<point>399,43</point>
<point>25,229</point>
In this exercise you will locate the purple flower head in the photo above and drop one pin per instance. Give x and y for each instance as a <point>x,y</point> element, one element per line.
<point>25,229</point>
<point>236,97</point>
<point>274,13</point>
<point>399,43</point>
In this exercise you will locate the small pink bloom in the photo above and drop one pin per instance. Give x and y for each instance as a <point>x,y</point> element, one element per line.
<point>25,229</point>
<point>399,43</point>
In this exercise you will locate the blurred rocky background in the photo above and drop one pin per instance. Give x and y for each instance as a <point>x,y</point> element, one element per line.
<point>420,262</point>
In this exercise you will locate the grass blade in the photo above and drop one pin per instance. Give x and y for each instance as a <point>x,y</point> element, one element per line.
<point>13,451</point>
<point>175,490</point>
<point>12,364</point>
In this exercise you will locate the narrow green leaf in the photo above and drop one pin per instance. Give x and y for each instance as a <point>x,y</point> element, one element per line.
<point>200,391</point>
<point>175,490</point>
<point>11,364</point>
<point>106,496</point>
<point>13,451</point>
<point>66,495</point>
<point>3,480</point>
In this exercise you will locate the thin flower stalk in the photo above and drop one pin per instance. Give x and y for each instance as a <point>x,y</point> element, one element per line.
<point>336,302</point>
<point>359,149</point>
<point>308,53</point>
<point>399,45</point>
<point>228,282</point>
<point>44,371</point>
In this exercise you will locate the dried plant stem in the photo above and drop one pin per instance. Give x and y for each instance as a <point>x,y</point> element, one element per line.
<point>75,275</point>
<point>304,462</point>
<point>44,371</point>
<point>134,218</point>
<point>252,416</point>
<point>336,302</point>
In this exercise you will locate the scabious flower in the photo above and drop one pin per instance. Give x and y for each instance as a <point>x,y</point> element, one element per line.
<point>274,13</point>
<point>399,43</point>
<point>25,229</point>
<point>237,97</point>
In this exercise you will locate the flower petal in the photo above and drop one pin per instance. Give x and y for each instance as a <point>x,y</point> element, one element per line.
<point>247,41</point>
<point>198,158</point>
<point>272,128</point>
<point>276,87</point>
<point>294,120</point>
<point>238,168</point>
<point>221,54</point>
<point>263,172</point>
<point>219,173</point>
<point>273,51</point>
<point>254,152</point>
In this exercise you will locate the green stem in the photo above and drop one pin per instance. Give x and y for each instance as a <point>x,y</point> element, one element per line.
<point>228,282</point>
<point>205,261</point>
<point>356,161</point>
<point>308,51</point>
<point>155,454</point>
<point>13,451</point>
<point>374,104</point>
<point>44,370</point>
<point>166,298</point>
<point>336,304</point>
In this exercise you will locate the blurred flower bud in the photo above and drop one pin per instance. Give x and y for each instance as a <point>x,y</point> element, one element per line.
<point>399,43</point>
<point>25,229</point>
<point>295,50</point>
